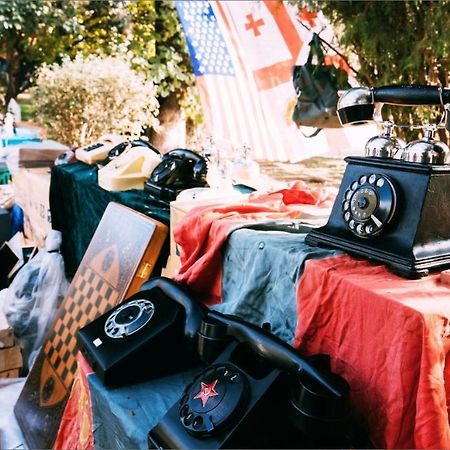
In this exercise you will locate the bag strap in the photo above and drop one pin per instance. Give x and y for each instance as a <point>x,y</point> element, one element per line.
<point>315,49</point>
<point>312,134</point>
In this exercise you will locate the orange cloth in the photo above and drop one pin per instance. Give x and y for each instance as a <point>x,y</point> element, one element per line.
<point>389,338</point>
<point>202,232</point>
<point>75,429</point>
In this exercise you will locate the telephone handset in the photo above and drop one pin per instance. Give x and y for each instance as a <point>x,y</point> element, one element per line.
<point>97,151</point>
<point>179,169</point>
<point>362,104</point>
<point>120,148</point>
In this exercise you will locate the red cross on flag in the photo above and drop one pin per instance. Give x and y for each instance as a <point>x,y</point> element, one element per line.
<point>243,53</point>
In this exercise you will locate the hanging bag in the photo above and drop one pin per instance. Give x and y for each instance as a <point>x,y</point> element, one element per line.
<point>316,86</point>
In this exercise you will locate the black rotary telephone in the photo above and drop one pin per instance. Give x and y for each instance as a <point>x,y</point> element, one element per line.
<point>251,380</point>
<point>138,339</point>
<point>392,205</point>
<point>179,169</point>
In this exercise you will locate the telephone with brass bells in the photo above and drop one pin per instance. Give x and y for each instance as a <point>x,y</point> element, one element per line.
<point>250,377</point>
<point>392,205</point>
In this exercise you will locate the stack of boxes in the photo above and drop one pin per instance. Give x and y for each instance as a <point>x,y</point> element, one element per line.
<point>10,353</point>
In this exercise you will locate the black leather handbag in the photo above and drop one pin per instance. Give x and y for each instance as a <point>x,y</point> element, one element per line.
<point>316,86</point>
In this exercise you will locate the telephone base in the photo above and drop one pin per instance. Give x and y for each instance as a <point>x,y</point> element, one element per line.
<point>393,212</point>
<point>168,193</point>
<point>245,393</point>
<point>405,267</point>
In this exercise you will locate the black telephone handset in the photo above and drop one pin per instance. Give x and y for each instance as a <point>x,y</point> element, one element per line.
<point>179,169</point>
<point>120,148</point>
<point>357,105</point>
<point>254,379</point>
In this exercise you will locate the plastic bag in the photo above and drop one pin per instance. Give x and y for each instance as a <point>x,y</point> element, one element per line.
<point>33,297</point>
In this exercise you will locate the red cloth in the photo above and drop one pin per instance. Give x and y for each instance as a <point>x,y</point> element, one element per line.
<point>389,338</point>
<point>202,232</point>
<point>75,429</point>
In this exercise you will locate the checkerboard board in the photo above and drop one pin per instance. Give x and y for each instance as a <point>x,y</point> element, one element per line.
<point>89,297</point>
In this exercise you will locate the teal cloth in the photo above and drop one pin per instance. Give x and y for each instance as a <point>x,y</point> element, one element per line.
<point>77,204</point>
<point>260,274</point>
<point>122,417</point>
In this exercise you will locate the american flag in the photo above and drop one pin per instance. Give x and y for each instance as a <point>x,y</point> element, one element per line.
<point>242,54</point>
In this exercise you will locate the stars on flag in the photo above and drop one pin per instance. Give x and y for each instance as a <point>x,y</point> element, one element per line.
<point>205,40</point>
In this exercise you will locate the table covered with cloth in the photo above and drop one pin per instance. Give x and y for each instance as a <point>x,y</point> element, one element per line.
<point>389,338</point>
<point>386,335</point>
<point>122,417</point>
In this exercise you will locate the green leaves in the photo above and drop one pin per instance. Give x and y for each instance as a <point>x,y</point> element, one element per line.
<point>94,96</point>
<point>145,32</point>
<point>395,42</point>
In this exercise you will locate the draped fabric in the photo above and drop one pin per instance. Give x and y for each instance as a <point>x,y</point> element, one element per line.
<point>204,230</point>
<point>389,338</point>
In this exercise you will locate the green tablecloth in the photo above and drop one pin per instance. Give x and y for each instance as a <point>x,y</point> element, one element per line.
<point>77,204</point>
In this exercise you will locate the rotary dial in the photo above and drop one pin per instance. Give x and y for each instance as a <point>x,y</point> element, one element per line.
<point>369,204</point>
<point>129,318</point>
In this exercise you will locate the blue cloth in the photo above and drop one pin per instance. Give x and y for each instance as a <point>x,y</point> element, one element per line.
<point>16,218</point>
<point>122,417</point>
<point>260,274</point>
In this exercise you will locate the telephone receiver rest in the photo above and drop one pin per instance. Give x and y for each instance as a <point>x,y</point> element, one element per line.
<point>357,105</point>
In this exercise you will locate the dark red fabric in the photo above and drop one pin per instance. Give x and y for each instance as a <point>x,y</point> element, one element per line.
<point>202,232</point>
<point>75,429</point>
<point>389,338</point>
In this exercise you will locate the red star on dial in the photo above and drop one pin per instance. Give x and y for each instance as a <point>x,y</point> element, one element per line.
<point>206,391</point>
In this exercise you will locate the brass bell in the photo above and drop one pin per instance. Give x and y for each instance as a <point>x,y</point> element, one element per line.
<point>384,145</point>
<point>427,150</point>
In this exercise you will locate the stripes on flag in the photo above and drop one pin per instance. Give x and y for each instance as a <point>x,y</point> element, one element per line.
<point>242,55</point>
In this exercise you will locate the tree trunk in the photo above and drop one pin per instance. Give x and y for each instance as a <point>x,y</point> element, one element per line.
<point>173,126</point>
<point>12,88</point>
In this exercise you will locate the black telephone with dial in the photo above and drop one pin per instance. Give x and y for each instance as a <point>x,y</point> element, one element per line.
<point>250,378</point>
<point>392,205</point>
<point>179,169</point>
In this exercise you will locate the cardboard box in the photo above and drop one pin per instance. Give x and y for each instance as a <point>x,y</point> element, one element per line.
<point>6,332</point>
<point>32,156</point>
<point>32,187</point>
<point>10,358</point>
<point>14,373</point>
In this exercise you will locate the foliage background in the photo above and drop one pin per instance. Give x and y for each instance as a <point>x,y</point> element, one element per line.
<point>83,98</point>
<point>394,42</point>
<point>146,32</point>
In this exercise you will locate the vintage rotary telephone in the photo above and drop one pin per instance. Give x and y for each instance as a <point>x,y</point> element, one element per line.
<point>251,378</point>
<point>138,339</point>
<point>130,165</point>
<point>392,205</point>
<point>179,169</point>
